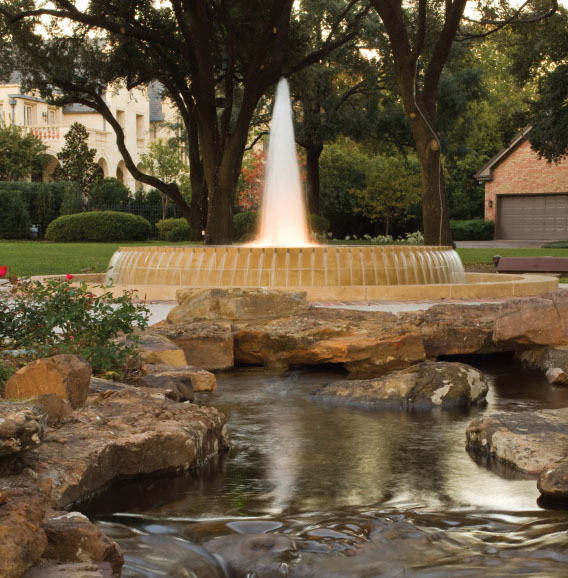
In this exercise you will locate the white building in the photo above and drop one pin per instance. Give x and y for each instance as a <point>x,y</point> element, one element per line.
<point>139,112</point>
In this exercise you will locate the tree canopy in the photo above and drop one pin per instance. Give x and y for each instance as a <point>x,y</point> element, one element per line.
<point>20,153</point>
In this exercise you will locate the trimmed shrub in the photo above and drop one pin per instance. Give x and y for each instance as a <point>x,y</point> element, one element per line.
<point>319,224</point>
<point>164,226</point>
<point>180,232</point>
<point>99,226</point>
<point>472,230</point>
<point>109,191</point>
<point>14,218</point>
<point>244,225</point>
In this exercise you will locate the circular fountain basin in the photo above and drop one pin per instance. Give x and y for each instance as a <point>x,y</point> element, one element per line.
<point>324,272</point>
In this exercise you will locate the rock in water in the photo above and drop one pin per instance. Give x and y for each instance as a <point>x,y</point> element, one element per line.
<point>423,386</point>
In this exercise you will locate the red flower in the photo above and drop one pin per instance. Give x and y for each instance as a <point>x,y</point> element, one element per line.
<point>69,276</point>
<point>3,271</point>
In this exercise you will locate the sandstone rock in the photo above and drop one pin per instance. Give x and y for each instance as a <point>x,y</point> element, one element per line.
<point>371,343</point>
<point>530,441</point>
<point>206,345</point>
<point>425,385</point>
<point>21,427</point>
<point>553,481</point>
<point>178,387</point>
<point>452,329</point>
<point>22,539</point>
<point>200,379</point>
<point>71,537</point>
<point>133,432</point>
<point>54,407</point>
<point>156,348</point>
<point>236,304</point>
<point>534,321</point>
<point>67,376</point>
<point>551,360</point>
<point>81,570</point>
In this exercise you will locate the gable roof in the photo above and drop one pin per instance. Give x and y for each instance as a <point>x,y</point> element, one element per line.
<point>486,172</point>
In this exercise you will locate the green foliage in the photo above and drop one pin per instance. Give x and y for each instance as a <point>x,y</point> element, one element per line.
<point>555,245</point>
<point>78,160</point>
<point>6,372</point>
<point>99,226</point>
<point>20,153</point>
<point>14,218</point>
<point>72,202</point>
<point>319,224</point>
<point>180,232</point>
<point>164,226</point>
<point>43,200</point>
<point>392,190</point>
<point>244,225</point>
<point>472,230</point>
<point>109,191</point>
<point>57,317</point>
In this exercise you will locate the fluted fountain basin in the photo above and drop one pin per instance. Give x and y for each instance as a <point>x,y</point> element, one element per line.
<point>325,272</point>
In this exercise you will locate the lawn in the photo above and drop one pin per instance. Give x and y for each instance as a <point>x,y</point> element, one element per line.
<point>26,258</point>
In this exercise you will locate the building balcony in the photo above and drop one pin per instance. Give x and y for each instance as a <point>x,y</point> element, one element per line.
<point>54,134</point>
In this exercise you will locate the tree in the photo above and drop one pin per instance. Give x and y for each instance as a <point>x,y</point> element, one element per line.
<point>164,161</point>
<point>78,160</point>
<point>392,190</point>
<point>421,40</point>
<point>214,60</point>
<point>20,153</point>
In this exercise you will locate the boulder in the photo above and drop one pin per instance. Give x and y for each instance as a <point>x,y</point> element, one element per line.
<point>363,342</point>
<point>551,360</point>
<point>533,321</point>
<point>154,348</point>
<point>54,407</point>
<point>67,376</point>
<point>553,481</point>
<point>200,379</point>
<point>530,441</point>
<point>454,329</point>
<point>71,537</point>
<point>206,345</point>
<point>131,432</point>
<point>422,386</point>
<point>80,570</point>
<point>21,427</point>
<point>175,386</point>
<point>236,304</point>
<point>22,538</point>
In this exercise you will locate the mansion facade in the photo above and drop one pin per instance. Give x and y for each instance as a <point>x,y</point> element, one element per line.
<point>140,112</point>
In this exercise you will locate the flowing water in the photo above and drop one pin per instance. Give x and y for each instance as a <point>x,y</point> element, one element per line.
<point>314,490</point>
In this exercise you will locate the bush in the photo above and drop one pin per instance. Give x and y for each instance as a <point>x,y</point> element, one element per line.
<point>99,226</point>
<point>244,225</point>
<point>43,200</point>
<point>109,191</point>
<point>14,218</point>
<point>181,232</point>
<point>319,224</point>
<point>472,230</point>
<point>57,317</point>
<point>164,226</point>
<point>72,202</point>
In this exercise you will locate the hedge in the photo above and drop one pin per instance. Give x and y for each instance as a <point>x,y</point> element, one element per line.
<point>99,226</point>
<point>472,230</point>
<point>164,226</point>
<point>14,217</point>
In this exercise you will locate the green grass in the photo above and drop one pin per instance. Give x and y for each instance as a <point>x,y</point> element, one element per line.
<point>27,258</point>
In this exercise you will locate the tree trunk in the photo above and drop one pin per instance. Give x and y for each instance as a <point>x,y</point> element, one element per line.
<point>313,153</point>
<point>198,207</point>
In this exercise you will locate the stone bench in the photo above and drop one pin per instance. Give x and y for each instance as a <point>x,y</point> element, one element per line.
<point>554,265</point>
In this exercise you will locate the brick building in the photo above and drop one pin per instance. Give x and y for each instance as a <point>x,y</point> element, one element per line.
<point>527,197</point>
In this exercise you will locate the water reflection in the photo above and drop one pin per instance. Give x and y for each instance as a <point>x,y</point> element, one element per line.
<point>394,487</point>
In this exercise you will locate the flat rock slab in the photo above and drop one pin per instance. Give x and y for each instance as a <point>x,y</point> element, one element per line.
<point>80,570</point>
<point>530,441</point>
<point>422,386</point>
<point>363,342</point>
<point>553,481</point>
<point>133,432</point>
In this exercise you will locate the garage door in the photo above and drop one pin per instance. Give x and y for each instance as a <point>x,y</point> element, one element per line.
<point>533,217</point>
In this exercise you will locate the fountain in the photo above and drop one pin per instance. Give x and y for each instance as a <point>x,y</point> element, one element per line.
<point>284,256</point>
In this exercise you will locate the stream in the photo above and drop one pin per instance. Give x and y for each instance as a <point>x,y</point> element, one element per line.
<point>312,490</point>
